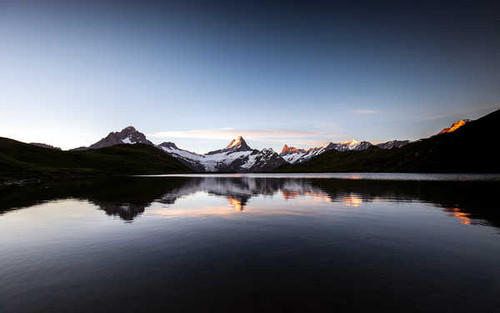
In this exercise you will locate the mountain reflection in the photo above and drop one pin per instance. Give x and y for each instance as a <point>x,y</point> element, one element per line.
<point>127,198</point>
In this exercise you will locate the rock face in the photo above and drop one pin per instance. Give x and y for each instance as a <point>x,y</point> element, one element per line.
<point>128,135</point>
<point>237,156</point>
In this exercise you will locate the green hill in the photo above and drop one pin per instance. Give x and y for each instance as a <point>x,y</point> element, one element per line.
<point>21,161</point>
<point>469,149</point>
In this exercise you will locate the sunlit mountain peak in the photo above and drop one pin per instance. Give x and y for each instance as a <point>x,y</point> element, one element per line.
<point>454,126</point>
<point>236,142</point>
<point>351,142</point>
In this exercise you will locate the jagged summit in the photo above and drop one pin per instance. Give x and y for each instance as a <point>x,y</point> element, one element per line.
<point>128,135</point>
<point>129,129</point>
<point>288,150</point>
<point>238,142</point>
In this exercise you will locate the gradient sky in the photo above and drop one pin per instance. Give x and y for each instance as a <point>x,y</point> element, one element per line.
<point>201,72</point>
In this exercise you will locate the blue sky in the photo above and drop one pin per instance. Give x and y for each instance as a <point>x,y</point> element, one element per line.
<point>200,73</point>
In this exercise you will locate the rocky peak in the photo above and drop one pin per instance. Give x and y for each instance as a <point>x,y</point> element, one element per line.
<point>286,149</point>
<point>238,144</point>
<point>128,135</point>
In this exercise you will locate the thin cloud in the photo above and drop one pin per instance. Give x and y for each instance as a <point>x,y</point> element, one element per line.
<point>229,133</point>
<point>362,111</point>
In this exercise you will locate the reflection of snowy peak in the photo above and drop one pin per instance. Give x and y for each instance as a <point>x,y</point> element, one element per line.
<point>239,190</point>
<point>236,157</point>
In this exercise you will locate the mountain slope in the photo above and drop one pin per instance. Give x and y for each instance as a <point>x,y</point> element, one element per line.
<point>459,151</point>
<point>21,160</point>
<point>190,159</point>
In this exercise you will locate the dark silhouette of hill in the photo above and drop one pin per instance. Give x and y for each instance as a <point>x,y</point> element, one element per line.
<point>24,161</point>
<point>469,149</point>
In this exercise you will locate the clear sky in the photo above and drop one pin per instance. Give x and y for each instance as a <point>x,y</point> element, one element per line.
<point>201,72</point>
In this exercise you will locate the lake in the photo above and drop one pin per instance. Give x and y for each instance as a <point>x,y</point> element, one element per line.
<point>253,243</point>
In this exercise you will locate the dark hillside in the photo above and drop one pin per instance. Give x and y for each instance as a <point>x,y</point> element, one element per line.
<point>469,149</point>
<point>21,161</point>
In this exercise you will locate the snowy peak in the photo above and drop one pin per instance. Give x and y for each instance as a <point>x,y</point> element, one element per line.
<point>236,157</point>
<point>351,142</point>
<point>353,145</point>
<point>128,135</point>
<point>293,155</point>
<point>238,144</point>
<point>289,150</point>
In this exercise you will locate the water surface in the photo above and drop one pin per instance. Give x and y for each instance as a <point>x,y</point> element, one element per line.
<point>251,243</point>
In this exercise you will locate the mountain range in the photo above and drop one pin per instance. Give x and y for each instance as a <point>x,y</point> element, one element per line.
<point>462,147</point>
<point>237,156</point>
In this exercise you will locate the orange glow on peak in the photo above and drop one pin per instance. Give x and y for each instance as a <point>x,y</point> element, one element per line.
<point>350,142</point>
<point>454,127</point>
<point>286,149</point>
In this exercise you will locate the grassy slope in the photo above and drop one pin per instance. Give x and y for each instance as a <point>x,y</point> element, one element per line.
<point>471,148</point>
<point>20,160</point>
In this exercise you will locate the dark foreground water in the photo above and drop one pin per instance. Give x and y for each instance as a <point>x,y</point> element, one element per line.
<point>251,244</point>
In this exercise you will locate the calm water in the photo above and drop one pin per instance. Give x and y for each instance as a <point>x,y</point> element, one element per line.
<point>252,243</point>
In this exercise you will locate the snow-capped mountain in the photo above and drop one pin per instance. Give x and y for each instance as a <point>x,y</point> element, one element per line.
<point>128,135</point>
<point>293,155</point>
<point>237,156</point>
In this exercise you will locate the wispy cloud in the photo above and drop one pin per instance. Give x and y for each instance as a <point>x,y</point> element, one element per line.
<point>364,111</point>
<point>229,133</point>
